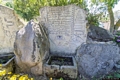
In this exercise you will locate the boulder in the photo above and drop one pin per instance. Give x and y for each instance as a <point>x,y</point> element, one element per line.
<point>97,59</point>
<point>99,34</point>
<point>31,48</point>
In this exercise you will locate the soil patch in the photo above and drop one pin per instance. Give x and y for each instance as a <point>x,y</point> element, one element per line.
<point>57,60</point>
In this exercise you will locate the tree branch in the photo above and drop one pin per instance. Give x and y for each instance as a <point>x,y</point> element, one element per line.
<point>117,24</point>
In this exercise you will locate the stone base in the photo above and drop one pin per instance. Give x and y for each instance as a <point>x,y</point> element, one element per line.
<point>6,50</point>
<point>8,66</point>
<point>54,70</point>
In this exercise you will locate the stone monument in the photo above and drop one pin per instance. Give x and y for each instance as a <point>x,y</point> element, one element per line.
<point>52,45</point>
<point>9,25</point>
<point>66,27</point>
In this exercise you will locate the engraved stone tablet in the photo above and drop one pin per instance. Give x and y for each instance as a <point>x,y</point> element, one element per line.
<point>66,27</point>
<point>9,24</point>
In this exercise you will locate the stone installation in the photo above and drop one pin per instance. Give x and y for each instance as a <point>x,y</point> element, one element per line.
<point>9,25</point>
<point>66,27</point>
<point>60,30</point>
<point>31,48</point>
<point>59,45</point>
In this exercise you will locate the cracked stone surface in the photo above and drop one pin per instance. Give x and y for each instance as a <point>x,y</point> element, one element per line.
<point>9,25</point>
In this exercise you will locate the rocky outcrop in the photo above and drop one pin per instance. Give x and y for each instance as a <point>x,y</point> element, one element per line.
<point>97,59</point>
<point>99,34</point>
<point>31,48</point>
<point>9,25</point>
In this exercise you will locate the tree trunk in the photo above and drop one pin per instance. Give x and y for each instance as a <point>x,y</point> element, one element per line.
<point>111,19</point>
<point>117,24</point>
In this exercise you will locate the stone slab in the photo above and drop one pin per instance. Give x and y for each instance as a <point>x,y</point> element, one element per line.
<point>9,25</point>
<point>66,27</point>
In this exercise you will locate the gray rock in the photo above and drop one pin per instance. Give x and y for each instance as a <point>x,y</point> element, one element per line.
<point>31,48</point>
<point>96,59</point>
<point>117,65</point>
<point>99,34</point>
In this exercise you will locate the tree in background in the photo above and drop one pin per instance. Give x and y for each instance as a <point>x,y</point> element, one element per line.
<point>94,14</point>
<point>93,19</point>
<point>29,9</point>
<point>108,4</point>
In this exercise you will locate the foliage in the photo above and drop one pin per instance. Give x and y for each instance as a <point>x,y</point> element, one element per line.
<point>61,79</point>
<point>115,75</point>
<point>26,8</point>
<point>6,3</point>
<point>108,4</point>
<point>9,4</point>
<point>29,9</point>
<point>93,19</point>
<point>10,76</point>
<point>117,38</point>
<point>3,72</point>
<point>117,24</point>
<point>0,1</point>
<point>110,76</point>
